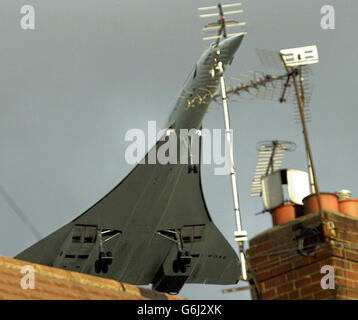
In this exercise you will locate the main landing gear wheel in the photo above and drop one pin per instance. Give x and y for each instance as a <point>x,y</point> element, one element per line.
<point>181,263</point>
<point>109,255</point>
<point>182,267</point>
<point>104,260</point>
<point>104,267</point>
<point>97,266</point>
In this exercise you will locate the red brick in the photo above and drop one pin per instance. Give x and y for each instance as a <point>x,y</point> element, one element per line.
<point>269,294</point>
<point>255,262</point>
<point>265,247</point>
<point>302,272</point>
<point>354,266</point>
<point>291,275</point>
<point>258,239</point>
<point>316,277</point>
<point>275,282</point>
<point>285,288</point>
<point>347,227</point>
<point>352,275</point>
<point>262,286</point>
<point>352,255</point>
<point>347,236</point>
<point>351,284</point>
<point>340,272</point>
<point>301,261</point>
<point>323,252</point>
<point>325,294</point>
<point>293,295</point>
<point>283,297</point>
<point>341,263</point>
<point>262,275</point>
<point>311,289</point>
<point>283,268</point>
<point>341,281</point>
<point>352,294</point>
<point>313,268</point>
<point>342,290</point>
<point>337,252</point>
<point>302,282</point>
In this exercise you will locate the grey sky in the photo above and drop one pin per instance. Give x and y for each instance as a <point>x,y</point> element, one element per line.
<point>93,69</point>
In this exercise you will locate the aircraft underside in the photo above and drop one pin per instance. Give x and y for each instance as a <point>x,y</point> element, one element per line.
<point>153,227</point>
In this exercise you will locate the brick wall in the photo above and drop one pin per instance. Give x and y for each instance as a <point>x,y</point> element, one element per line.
<point>286,260</point>
<point>53,283</point>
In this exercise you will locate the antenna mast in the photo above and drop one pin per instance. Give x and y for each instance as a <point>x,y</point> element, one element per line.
<point>293,61</point>
<point>218,68</point>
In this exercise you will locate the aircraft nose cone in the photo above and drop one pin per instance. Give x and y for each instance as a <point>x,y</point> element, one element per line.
<point>229,46</point>
<point>232,43</point>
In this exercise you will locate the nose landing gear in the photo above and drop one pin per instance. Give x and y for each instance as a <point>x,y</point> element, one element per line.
<point>192,168</point>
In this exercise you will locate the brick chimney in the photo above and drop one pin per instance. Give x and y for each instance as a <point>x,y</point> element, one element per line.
<point>286,261</point>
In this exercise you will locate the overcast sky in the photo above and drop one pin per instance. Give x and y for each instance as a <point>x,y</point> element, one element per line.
<point>93,69</point>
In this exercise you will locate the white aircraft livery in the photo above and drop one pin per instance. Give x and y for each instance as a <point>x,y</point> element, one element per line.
<point>154,226</point>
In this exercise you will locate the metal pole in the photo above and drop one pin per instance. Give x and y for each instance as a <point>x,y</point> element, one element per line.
<point>311,169</point>
<point>310,174</point>
<point>271,162</point>
<point>300,99</point>
<point>240,235</point>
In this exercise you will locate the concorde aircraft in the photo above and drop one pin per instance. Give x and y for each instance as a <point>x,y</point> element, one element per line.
<point>154,226</point>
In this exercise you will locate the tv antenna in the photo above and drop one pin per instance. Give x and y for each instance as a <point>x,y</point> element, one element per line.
<point>270,158</point>
<point>296,63</point>
<point>261,85</point>
<point>218,69</point>
<point>222,24</point>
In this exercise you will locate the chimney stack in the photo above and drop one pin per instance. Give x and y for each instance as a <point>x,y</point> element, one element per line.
<point>290,260</point>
